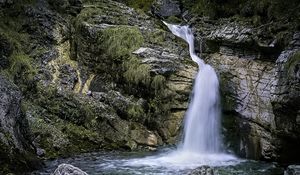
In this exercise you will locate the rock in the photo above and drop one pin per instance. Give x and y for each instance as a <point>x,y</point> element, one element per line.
<point>292,170</point>
<point>40,152</point>
<point>6,50</point>
<point>15,150</point>
<point>258,82</point>
<point>161,60</point>
<point>203,170</point>
<point>67,169</point>
<point>5,3</point>
<point>166,8</point>
<point>154,59</point>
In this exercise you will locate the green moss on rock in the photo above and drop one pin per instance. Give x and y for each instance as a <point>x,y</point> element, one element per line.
<point>119,42</point>
<point>158,82</point>
<point>144,5</point>
<point>65,106</point>
<point>136,112</point>
<point>157,36</point>
<point>137,73</point>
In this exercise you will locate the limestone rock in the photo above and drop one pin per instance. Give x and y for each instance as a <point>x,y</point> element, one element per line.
<point>67,169</point>
<point>258,83</point>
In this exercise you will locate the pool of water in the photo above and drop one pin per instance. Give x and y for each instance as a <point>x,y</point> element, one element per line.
<point>169,162</point>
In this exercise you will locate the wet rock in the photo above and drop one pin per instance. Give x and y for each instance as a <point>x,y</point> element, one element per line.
<point>203,170</point>
<point>67,169</point>
<point>292,170</point>
<point>40,152</point>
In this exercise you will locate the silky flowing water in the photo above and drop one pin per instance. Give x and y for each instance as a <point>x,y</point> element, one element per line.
<point>201,144</point>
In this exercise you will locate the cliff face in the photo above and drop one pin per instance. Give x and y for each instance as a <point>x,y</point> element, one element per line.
<point>101,75</point>
<point>254,46</point>
<point>95,75</point>
<point>260,91</point>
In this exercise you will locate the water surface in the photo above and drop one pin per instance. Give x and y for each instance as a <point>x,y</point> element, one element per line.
<point>149,163</point>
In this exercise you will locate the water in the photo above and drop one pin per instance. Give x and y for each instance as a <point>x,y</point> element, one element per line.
<point>201,144</point>
<point>122,163</point>
<point>201,141</point>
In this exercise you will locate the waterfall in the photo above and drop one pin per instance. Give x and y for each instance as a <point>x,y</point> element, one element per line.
<point>201,142</point>
<point>202,119</point>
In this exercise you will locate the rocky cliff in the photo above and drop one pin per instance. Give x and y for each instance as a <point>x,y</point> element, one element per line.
<point>94,75</point>
<point>255,48</point>
<point>102,74</point>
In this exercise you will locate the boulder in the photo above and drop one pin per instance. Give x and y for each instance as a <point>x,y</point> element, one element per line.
<point>67,169</point>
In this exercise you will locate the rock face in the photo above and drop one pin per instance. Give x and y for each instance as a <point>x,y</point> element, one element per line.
<point>15,151</point>
<point>166,8</point>
<point>260,88</point>
<point>149,68</point>
<point>67,169</point>
<point>97,75</point>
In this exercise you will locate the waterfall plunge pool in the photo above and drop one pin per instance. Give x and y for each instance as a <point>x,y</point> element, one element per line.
<point>158,163</point>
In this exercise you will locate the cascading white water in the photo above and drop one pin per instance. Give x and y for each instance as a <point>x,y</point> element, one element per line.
<point>201,129</point>
<point>202,143</point>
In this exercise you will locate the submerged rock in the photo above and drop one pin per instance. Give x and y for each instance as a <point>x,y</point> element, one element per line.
<point>292,170</point>
<point>203,170</point>
<point>67,169</point>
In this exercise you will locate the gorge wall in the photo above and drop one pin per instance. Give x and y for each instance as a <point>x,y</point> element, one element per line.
<point>98,74</point>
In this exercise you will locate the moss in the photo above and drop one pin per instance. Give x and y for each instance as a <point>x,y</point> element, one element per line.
<point>20,68</point>
<point>94,11</point>
<point>60,137</point>
<point>174,20</point>
<point>201,7</point>
<point>86,15</point>
<point>268,10</point>
<point>156,37</point>
<point>22,72</point>
<point>119,42</point>
<point>137,73</point>
<point>135,112</point>
<point>65,106</point>
<point>144,5</point>
<point>158,83</point>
